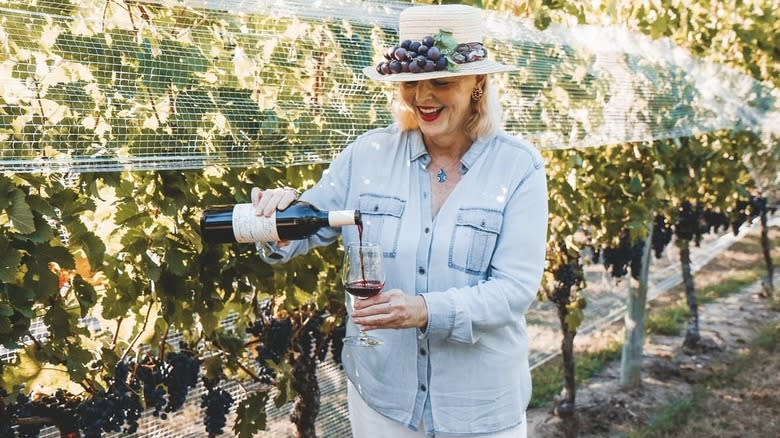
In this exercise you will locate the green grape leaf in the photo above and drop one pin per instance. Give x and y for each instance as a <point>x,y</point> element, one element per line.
<point>41,205</point>
<point>43,231</point>
<point>9,263</point>
<point>77,360</point>
<point>177,262</point>
<point>213,366</point>
<point>57,254</point>
<point>635,186</point>
<point>5,325</point>
<point>574,317</point>
<point>285,387</point>
<point>58,320</point>
<point>85,294</point>
<point>233,345</point>
<point>6,310</point>
<point>20,213</point>
<point>93,246</point>
<point>251,415</point>
<point>125,212</point>
<point>208,320</point>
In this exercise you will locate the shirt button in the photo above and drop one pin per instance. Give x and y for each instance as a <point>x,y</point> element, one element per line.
<point>427,230</point>
<point>421,271</point>
<point>423,352</point>
<point>423,388</point>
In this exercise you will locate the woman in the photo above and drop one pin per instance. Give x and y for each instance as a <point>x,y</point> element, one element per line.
<point>460,210</point>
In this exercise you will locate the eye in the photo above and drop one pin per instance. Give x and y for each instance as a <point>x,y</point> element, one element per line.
<point>409,84</point>
<point>440,84</point>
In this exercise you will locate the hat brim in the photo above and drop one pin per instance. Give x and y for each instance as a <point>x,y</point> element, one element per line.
<point>482,67</point>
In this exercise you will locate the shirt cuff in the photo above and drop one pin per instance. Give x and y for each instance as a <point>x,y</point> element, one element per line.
<point>441,315</point>
<point>269,252</point>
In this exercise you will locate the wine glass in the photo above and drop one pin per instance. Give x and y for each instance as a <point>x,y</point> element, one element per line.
<point>362,276</point>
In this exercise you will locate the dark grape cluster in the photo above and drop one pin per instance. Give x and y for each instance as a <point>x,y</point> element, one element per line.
<point>337,336</point>
<point>109,410</point>
<point>739,215</point>
<point>149,374</point>
<point>636,259</point>
<point>216,402</point>
<point>662,235</point>
<point>59,408</point>
<point>758,206</point>
<point>687,227</point>
<point>6,418</point>
<point>413,57</point>
<point>567,276</point>
<point>617,259</point>
<point>274,341</point>
<point>24,408</point>
<point>714,221</point>
<point>275,338</point>
<point>180,374</point>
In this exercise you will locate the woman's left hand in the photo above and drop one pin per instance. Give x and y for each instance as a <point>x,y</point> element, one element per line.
<point>390,309</point>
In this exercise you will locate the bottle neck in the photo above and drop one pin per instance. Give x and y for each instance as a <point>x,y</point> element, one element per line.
<point>337,218</point>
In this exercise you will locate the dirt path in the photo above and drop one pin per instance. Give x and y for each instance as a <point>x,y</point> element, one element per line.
<point>749,406</point>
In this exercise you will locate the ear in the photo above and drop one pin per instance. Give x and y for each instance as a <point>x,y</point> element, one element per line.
<point>481,81</point>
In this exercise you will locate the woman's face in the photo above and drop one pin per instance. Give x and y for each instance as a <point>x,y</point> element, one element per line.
<point>441,106</point>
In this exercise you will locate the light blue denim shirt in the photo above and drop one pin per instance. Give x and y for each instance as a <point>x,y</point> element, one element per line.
<point>477,264</point>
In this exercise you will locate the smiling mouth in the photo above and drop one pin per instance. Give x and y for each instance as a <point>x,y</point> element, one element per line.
<point>429,114</point>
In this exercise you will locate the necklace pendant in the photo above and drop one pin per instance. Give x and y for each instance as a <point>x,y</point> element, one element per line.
<point>442,175</point>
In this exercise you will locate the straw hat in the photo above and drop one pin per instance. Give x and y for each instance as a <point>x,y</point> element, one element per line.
<point>454,32</point>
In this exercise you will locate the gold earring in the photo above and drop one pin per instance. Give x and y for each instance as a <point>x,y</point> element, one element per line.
<point>476,94</point>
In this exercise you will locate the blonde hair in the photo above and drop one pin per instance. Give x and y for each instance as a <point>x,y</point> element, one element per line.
<point>486,118</point>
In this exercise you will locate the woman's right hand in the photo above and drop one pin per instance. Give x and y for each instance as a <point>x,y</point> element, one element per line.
<point>266,202</point>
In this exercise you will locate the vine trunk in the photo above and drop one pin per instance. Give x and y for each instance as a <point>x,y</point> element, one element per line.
<point>692,336</point>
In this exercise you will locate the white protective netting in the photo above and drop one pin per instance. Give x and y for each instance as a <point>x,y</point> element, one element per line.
<point>107,85</point>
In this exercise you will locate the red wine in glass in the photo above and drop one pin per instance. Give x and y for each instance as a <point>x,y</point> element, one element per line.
<point>364,288</point>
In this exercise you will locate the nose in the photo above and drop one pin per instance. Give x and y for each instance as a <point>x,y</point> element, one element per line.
<point>422,91</point>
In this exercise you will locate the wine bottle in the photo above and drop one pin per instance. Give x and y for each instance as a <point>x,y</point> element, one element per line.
<point>239,223</point>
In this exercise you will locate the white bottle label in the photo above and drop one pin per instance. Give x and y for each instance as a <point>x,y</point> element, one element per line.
<point>249,227</point>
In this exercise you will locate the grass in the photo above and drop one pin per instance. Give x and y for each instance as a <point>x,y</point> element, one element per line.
<point>548,378</point>
<point>672,417</point>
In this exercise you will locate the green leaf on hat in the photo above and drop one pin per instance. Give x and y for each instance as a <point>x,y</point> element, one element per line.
<point>445,42</point>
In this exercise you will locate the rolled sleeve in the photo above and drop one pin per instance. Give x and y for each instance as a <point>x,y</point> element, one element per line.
<point>446,317</point>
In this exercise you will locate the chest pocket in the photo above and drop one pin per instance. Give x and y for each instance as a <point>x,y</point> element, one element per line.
<point>381,216</point>
<point>474,239</point>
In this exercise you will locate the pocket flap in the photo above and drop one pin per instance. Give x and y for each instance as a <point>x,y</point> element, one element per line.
<point>384,205</point>
<point>481,219</point>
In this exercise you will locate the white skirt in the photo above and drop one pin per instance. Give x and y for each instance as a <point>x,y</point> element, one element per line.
<point>368,423</point>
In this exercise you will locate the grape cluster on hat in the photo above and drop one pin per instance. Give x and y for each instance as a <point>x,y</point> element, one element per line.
<point>436,41</point>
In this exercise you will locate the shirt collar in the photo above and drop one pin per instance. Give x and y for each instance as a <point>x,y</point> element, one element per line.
<point>417,150</point>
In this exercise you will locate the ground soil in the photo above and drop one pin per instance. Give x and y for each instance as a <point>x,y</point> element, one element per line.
<point>735,397</point>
